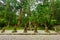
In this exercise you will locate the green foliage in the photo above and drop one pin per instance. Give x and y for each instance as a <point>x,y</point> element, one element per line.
<point>53,22</point>
<point>57,11</point>
<point>41,14</point>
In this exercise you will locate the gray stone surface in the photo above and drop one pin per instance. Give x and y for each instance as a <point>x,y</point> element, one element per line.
<point>29,37</point>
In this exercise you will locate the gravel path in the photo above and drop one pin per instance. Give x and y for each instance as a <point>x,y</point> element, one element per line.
<point>29,37</point>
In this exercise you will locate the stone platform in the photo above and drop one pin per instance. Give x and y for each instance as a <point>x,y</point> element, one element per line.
<point>21,32</point>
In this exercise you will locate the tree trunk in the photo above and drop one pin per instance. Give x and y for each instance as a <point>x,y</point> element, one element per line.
<point>25,29</point>
<point>8,23</point>
<point>35,30</point>
<point>46,28</point>
<point>15,28</point>
<point>30,25</point>
<point>55,29</point>
<point>20,17</point>
<point>3,30</point>
<point>18,22</point>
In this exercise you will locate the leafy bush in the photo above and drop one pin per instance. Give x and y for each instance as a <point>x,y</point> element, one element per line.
<point>53,22</point>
